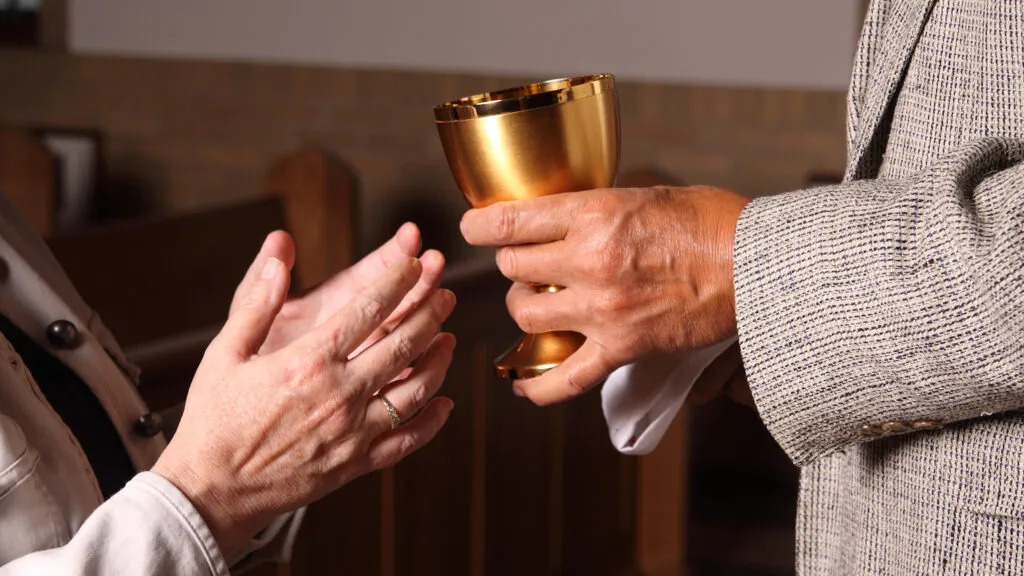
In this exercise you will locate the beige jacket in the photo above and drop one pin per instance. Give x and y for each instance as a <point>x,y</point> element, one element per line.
<point>881,320</point>
<point>53,519</point>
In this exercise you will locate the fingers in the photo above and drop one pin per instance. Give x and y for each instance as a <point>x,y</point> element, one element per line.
<point>536,263</point>
<point>411,394</point>
<point>349,326</point>
<point>391,447</point>
<point>405,243</point>
<point>254,310</point>
<point>433,266</point>
<point>586,368</point>
<point>543,312</point>
<point>534,221</point>
<point>278,244</point>
<point>384,360</point>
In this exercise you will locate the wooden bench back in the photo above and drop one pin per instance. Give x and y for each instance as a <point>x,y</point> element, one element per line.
<point>28,175</point>
<point>163,285</point>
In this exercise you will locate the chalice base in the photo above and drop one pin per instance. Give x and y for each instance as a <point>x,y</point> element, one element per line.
<point>535,354</point>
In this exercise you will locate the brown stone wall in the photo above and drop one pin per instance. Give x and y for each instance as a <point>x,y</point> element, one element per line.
<point>181,135</point>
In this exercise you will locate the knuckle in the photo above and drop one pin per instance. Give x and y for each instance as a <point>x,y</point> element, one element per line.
<point>402,348</point>
<point>371,309</point>
<point>574,386</point>
<point>505,222</point>
<point>410,442</point>
<point>419,396</point>
<point>309,369</point>
<point>253,300</point>
<point>348,394</point>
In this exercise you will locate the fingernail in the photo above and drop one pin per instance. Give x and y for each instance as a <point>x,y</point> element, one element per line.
<point>446,299</point>
<point>518,391</point>
<point>407,230</point>
<point>270,268</point>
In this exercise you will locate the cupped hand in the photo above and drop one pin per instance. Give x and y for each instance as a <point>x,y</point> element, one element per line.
<point>304,312</point>
<point>643,269</point>
<point>267,432</point>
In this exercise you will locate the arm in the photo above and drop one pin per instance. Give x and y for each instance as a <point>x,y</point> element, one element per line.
<point>307,423</point>
<point>877,302</point>
<point>149,527</point>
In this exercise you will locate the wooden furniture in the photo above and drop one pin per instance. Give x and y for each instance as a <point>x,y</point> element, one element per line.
<point>28,174</point>
<point>507,488</point>
<point>163,285</point>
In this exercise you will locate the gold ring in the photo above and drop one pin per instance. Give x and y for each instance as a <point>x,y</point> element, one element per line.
<point>396,419</point>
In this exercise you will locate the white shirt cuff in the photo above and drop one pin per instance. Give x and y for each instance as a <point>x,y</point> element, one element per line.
<point>640,400</point>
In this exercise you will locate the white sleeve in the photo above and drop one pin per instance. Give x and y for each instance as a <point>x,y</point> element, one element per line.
<point>149,527</point>
<point>640,400</point>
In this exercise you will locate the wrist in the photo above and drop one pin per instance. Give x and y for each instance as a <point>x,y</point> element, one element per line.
<point>732,206</point>
<point>230,522</point>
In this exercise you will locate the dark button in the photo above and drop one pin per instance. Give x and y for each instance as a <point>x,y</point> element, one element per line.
<point>896,427</point>
<point>62,334</point>
<point>148,425</point>
<point>870,431</point>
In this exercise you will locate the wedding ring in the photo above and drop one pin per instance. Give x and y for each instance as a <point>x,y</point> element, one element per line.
<point>396,420</point>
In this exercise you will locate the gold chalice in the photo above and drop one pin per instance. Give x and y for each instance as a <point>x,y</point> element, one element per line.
<point>544,138</point>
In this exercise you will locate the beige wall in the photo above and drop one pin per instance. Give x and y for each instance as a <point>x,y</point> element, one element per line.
<point>778,43</point>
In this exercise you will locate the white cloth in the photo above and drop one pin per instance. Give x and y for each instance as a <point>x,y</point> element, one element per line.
<point>146,528</point>
<point>640,400</point>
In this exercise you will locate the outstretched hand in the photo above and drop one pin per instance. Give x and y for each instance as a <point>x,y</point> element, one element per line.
<point>302,313</point>
<point>270,426</point>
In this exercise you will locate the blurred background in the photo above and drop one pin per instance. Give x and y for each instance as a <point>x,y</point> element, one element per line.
<point>153,144</point>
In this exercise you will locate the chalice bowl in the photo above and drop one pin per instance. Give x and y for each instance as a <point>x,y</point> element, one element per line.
<point>543,138</point>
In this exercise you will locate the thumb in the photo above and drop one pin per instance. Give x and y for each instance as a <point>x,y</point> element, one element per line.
<point>585,369</point>
<point>253,312</point>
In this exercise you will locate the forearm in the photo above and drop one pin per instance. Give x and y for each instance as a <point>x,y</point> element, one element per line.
<point>879,302</point>
<point>146,528</point>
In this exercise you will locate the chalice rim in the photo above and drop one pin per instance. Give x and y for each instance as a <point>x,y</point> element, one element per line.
<point>523,98</point>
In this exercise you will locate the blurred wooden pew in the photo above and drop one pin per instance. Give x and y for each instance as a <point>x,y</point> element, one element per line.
<point>506,489</point>
<point>163,285</point>
<point>28,173</point>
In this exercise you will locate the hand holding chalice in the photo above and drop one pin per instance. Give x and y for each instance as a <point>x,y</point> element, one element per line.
<point>544,138</point>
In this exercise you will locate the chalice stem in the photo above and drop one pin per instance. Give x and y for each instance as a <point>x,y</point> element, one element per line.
<point>541,288</point>
<point>535,354</point>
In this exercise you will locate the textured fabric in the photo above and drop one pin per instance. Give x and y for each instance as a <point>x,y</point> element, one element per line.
<point>896,299</point>
<point>167,538</point>
<point>640,400</point>
<point>78,408</point>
